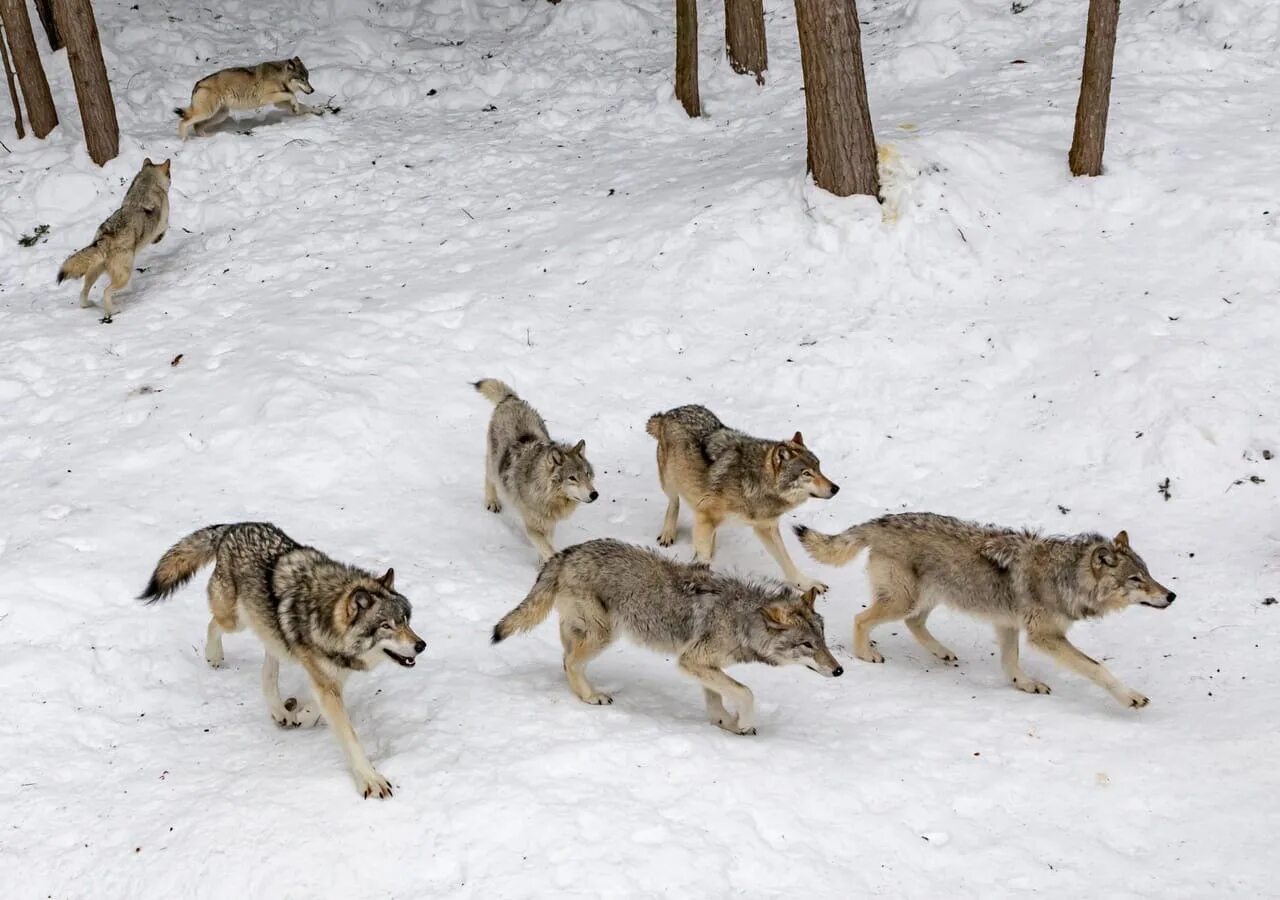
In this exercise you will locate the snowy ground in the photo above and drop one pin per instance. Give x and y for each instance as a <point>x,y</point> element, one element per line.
<point>509,190</point>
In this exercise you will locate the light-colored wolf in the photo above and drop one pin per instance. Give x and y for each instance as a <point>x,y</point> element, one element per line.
<point>1017,580</point>
<point>331,618</point>
<point>544,479</point>
<point>242,88</point>
<point>723,473</point>
<point>707,620</point>
<point>141,219</point>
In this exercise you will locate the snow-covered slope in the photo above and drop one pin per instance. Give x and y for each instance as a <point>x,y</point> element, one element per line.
<point>509,190</point>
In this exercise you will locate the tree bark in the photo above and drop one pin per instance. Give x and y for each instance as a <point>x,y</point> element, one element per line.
<point>687,57</point>
<point>1095,88</point>
<point>44,8</point>
<point>744,38</point>
<point>88,71</point>
<point>842,145</point>
<point>13,88</point>
<point>26,61</point>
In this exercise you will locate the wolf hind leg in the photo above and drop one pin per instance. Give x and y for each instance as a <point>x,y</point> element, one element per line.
<point>894,591</point>
<point>671,520</point>
<point>224,618</point>
<point>583,643</point>
<point>920,631</point>
<point>90,278</point>
<point>119,271</point>
<point>491,501</point>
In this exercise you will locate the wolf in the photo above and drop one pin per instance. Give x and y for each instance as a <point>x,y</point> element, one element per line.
<point>723,473</point>
<point>142,219</point>
<point>544,479</point>
<point>707,620</point>
<point>1020,581</point>
<point>242,88</point>
<point>331,618</point>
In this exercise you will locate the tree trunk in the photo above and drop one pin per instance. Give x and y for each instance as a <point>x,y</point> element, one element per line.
<point>26,61</point>
<point>13,88</point>
<point>744,39</point>
<point>687,56</point>
<point>89,72</point>
<point>842,146</point>
<point>1095,88</point>
<point>44,8</point>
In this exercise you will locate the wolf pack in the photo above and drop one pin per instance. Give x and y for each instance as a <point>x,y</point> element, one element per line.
<point>333,619</point>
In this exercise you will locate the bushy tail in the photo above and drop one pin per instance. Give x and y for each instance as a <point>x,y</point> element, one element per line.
<point>832,549</point>
<point>654,426</point>
<point>495,390</point>
<point>535,607</point>
<point>79,263</point>
<point>181,561</point>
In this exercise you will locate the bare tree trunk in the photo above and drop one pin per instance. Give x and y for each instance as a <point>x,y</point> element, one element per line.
<point>26,61</point>
<point>744,38</point>
<point>1095,88</point>
<point>842,146</point>
<point>88,71</point>
<point>44,8</point>
<point>687,56</point>
<point>13,88</point>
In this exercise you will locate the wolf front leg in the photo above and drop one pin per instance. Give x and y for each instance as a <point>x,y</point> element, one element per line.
<point>1069,656</point>
<point>540,535</point>
<point>737,693</point>
<point>328,691</point>
<point>771,537</point>
<point>1008,639</point>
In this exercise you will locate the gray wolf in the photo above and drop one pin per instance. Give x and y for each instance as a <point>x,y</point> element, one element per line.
<point>141,219</point>
<point>242,88</point>
<point>723,473</point>
<point>545,480</point>
<point>708,621</point>
<point>331,618</point>
<point>1019,581</point>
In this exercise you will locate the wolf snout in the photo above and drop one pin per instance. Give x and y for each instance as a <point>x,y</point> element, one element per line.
<point>835,489</point>
<point>591,498</point>
<point>419,646</point>
<point>837,671</point>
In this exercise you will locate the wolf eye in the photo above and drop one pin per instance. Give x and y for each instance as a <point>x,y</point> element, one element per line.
<point>806,645</point>
<point>386,626</point>
<point>1135,579</point>
<point>807,473</point>
<point>573,478</point>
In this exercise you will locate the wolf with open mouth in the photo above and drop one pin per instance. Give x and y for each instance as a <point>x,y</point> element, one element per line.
<point>331,618</point>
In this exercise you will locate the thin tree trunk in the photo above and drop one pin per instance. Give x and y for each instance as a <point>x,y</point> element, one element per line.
<point>1095,88</point>
<point>88,71</point>
<point>687,56</point>
<point>44,8</point>
<point>744,38</point>
<point>26,62</point>
<point>13,88</point>
<point>842,145</point>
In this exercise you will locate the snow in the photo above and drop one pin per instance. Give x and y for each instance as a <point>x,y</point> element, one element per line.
<point>1006,344</point>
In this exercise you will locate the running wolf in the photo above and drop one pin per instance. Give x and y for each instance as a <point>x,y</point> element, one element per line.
<point>242,88</point>
<point>1017,580</point>
<point>330,618</point>
<point>141,219</point>
<point>708,621</point>
<point>722,473</point>
<point>544,480</point>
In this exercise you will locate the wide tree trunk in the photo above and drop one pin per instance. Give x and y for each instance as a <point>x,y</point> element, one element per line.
<point>744,39</point>
<point>687,56</point>
<point>26,61</point>
<point>13,87</point>
<point>842,146</point>
<point>88,71</point>
<point>1095,88</point>
<point>44,8</point>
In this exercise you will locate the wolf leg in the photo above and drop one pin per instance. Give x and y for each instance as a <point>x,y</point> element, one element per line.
<point>713,679</point>
<point>894,592</point>
<point>1008,639</point>
<point>491,501</point>
<point>224,618</point>
<point>89,278</point>
<point>771,537</point>
<point>921,632</point>
<point>540,537</point>
<point>704,536</point>
<point>328,694</point>
<point>581,645</point>
<point>670,521</point>
<point>119,272</point>
<point>202,128</point>
<point>1069,656</point>
<point>716,713</point>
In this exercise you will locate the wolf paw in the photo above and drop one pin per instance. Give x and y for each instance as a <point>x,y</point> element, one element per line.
<point>371,784</point>
<point>1031,686</point>
<point>666,540</point>
<point>493,506</point>
<point>872,655</point>
<point>598,699</point>
<point>105,320</point>
<point>1133,699</point>
<point>812,584</point>
<point>215,660</point>
<point>945,655</point>
<point>303,715</point>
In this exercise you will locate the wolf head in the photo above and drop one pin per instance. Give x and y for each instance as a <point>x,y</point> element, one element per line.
<point>571,473</point>
<point>159,171</point>
<point>376,622</point>
<point>795,635</point>
<point>798,475</point>
<point>1122,579</point>
<point>297,78</point>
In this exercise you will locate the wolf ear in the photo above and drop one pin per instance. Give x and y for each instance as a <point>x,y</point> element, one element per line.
<point>798,439</point>
<point>556,456</point>
<point>164,165</point>
<point>782,453</point>
<point>777,616</point>
<point>357,601</point>
<point>388,580</point>
<point>579,447</point>
<point>1122,540</point>
<point>297,60</point>
<point>147,162</point>
<point>1103,556</point>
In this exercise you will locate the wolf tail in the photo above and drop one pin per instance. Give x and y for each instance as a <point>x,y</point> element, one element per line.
<point>181,561</point>
<point>832,549</point>
<point>535,607</point>
<point>654,426</point>
<point>494,390</point>
<point>79,263</point>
